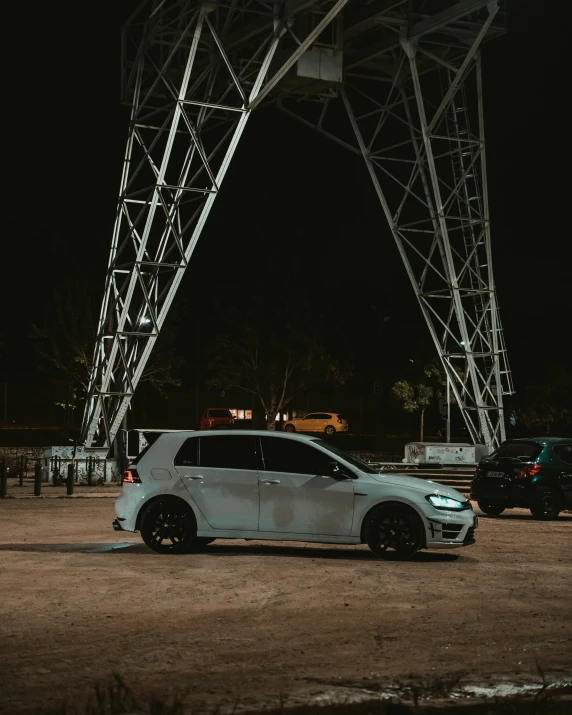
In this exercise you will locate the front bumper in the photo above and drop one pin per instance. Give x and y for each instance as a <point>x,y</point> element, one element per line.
<point>451,533</point>
<point>116,525</point>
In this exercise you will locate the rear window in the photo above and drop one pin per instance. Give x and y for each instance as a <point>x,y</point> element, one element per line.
<point>188,455</point>
<point>525,451</point>
<point>228,452</point>
<point>219,413</point>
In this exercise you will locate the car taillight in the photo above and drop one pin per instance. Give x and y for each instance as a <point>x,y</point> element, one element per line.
<point>339,420</point>
<point>529,470</point>
<point>130,476</point>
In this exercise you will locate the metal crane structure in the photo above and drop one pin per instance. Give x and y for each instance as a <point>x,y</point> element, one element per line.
<point>397,82</point>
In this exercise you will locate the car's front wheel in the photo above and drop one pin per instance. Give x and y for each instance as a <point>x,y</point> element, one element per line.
<point>394,528</point>
<point>168,526</point>
<point>491,508</point>
<point>289,428</point>
<point>545,503</point>
<point>330,429</point>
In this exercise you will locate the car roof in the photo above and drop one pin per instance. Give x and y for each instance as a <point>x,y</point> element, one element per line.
<point>542,440</point>
<point>253,432</point>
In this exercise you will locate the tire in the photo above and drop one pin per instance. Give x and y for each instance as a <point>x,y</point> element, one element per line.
<point>491,508</point>
<point>330,429</point>
<point>168,526</point>
<point>394,529</point>
<point>545,503</point>
<point>289,428</point>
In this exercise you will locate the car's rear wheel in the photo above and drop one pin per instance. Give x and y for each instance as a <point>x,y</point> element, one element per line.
<point>545,503</point>
<point>168,526</point>
<point>394,529</point>
<point>491,508</point>
<point>289,428</point>
<point>330,429</point>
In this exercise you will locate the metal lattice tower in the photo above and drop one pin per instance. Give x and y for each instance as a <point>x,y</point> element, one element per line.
<point>396,82</point>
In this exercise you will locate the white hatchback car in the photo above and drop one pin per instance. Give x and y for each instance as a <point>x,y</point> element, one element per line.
<point>189,488</point>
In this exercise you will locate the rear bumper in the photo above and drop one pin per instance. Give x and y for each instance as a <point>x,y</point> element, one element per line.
<point>501,491</point>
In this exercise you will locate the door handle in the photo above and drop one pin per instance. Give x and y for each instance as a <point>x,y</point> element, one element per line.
<point>187,476</point>
<point>271,481</point>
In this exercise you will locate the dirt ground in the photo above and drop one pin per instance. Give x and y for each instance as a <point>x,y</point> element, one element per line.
<point>257,621</point>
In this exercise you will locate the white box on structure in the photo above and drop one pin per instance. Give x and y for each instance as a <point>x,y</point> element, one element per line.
<point>90,464</point>
<point>439,453</point>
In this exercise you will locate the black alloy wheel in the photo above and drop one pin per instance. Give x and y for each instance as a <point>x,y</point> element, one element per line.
<point>289,428</point>
<point>168,526</point>
<point>545,503</point>
<point>491,508</point>
<point>330,429</point>
<point>394,528</point>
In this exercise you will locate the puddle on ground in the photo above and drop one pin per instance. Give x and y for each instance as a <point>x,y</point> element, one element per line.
<point>353,695</point>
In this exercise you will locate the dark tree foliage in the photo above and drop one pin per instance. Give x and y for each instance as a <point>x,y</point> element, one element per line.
<point>65,341</point>
<point>548,402</point>
<point>272,349</point>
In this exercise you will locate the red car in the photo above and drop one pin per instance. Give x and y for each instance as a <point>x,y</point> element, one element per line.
<point>217,418</point>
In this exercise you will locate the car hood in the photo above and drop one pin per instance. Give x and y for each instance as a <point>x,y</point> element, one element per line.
<point>421,485</point>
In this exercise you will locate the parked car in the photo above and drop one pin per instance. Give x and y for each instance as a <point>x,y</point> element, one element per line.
<point>189,488</point>
<point>532,473</point>
<point>216,418</point>
<point>327,422</point>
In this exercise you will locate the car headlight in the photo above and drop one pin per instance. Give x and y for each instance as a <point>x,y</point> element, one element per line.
<point>440,502</point>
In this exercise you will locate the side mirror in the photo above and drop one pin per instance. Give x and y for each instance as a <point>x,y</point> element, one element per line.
<point>336,471</point>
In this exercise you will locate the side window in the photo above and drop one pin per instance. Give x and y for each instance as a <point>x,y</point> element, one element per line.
<point>228,452</point>
<point>563,452</point>
<point>323,416</point>
<point>312,416</point>
<point>284,455</point>
<point>188,455</point>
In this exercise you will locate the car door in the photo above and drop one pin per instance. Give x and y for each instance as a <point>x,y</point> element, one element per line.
<point>564,454</point>
<point>219,472</point>
<point>308,423</point>
<point>298,494</point>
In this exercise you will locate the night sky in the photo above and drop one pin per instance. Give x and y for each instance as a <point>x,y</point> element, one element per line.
<point>287,189</point>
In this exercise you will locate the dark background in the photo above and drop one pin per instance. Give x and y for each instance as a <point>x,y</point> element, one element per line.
<point>296,212</point>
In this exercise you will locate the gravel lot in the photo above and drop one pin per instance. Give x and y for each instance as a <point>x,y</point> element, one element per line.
<point>253,620</point>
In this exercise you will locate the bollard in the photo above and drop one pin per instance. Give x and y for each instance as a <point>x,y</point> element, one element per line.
<point>37,479</point>
<point>3,480</point>
<point>22,471</point>
<point>70,479</point>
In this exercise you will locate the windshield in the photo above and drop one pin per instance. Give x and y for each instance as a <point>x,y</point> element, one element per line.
<point>354,461</point>
<point>219,413</point>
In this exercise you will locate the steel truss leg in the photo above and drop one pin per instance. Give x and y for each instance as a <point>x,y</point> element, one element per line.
<point>413,120</point>
<point>190,108</point>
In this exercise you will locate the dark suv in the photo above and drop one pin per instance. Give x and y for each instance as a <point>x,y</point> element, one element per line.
<point>532,473</point>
